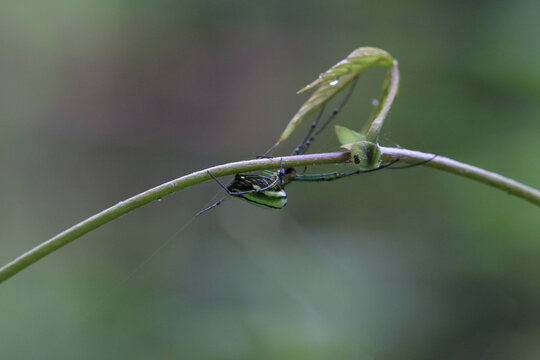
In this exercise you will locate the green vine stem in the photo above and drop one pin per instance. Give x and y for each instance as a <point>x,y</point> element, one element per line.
<point>390,89</point>
<point>510,186</point>
<point>123,207</point>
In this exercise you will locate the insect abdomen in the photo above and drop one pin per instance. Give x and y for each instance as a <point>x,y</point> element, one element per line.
<point>270,199</point>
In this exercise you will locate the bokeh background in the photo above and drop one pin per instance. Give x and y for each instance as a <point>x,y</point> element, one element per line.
<point>101,100</point>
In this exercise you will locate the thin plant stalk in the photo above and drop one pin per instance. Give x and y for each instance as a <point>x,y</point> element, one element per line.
<point>510,186</point>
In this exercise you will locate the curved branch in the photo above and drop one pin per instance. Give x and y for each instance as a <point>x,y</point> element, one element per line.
<point>510,186</point>
<point>158,192</point>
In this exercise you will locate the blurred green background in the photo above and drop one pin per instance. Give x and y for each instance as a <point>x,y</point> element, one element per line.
<point>101,100</point>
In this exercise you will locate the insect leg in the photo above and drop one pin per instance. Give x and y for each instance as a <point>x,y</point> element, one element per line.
<point>302,148</point>
<point>211,206</point>
<point>337,175</point>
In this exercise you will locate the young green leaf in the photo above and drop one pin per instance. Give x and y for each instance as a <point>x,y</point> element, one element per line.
<point>335,80</point>
<point>357,61</point>
<point>348,136</point>
<point>389,91</point>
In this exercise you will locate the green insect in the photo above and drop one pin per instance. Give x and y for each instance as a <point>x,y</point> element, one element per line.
<point>268,190</point>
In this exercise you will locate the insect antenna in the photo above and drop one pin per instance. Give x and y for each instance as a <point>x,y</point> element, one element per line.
<point>385,166</point>
<point>411,165</point>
